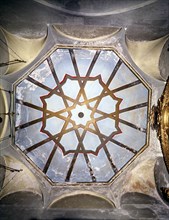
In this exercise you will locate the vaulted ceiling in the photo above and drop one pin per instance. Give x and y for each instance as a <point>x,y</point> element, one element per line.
<point>137,33</point>
<point>145,20</point>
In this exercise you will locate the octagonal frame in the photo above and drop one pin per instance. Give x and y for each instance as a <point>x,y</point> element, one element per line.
<point>131,69</point>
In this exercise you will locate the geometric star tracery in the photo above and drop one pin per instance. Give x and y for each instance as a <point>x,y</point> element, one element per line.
<point>78,113</point>
<point>81,115</point>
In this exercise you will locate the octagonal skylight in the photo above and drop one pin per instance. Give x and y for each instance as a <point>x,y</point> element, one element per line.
<point>81,115</point>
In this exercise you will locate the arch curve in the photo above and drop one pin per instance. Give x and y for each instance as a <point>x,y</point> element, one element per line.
<point>82,200</point>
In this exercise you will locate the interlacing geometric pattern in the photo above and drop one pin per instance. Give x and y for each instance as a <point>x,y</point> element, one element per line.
<point>74,116</point>
<point>81,115</point>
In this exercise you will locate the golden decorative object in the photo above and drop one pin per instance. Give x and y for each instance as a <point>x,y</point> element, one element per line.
<point>161,113</point>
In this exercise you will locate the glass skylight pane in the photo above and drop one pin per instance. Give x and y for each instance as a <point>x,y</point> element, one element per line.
<point>91,141</point>
<point>59,166</point>
<point>71,92</point>
<point>54,125</point>
<point>84,59</point>
<point>119,155</point>
<point>62,63</point>
<point>107,105</point>
<point>81,171</point>
<point>69,141</point>
<point>131,137</point>
<point>26,114</point>
<point>140,95</point>
<point>55,103</point>
<point>44,75</point>
<point>106,126</point>
<point>122,77</point>
<point>40,155</point>
<point>29,136</point>
<point>29,92</point>
<point>101,166</point>
<point>93,89</point>
<point>105,64</point>
<point>136,117</point>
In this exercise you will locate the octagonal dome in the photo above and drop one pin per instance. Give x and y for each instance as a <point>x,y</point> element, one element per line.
<point>81,115</point>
